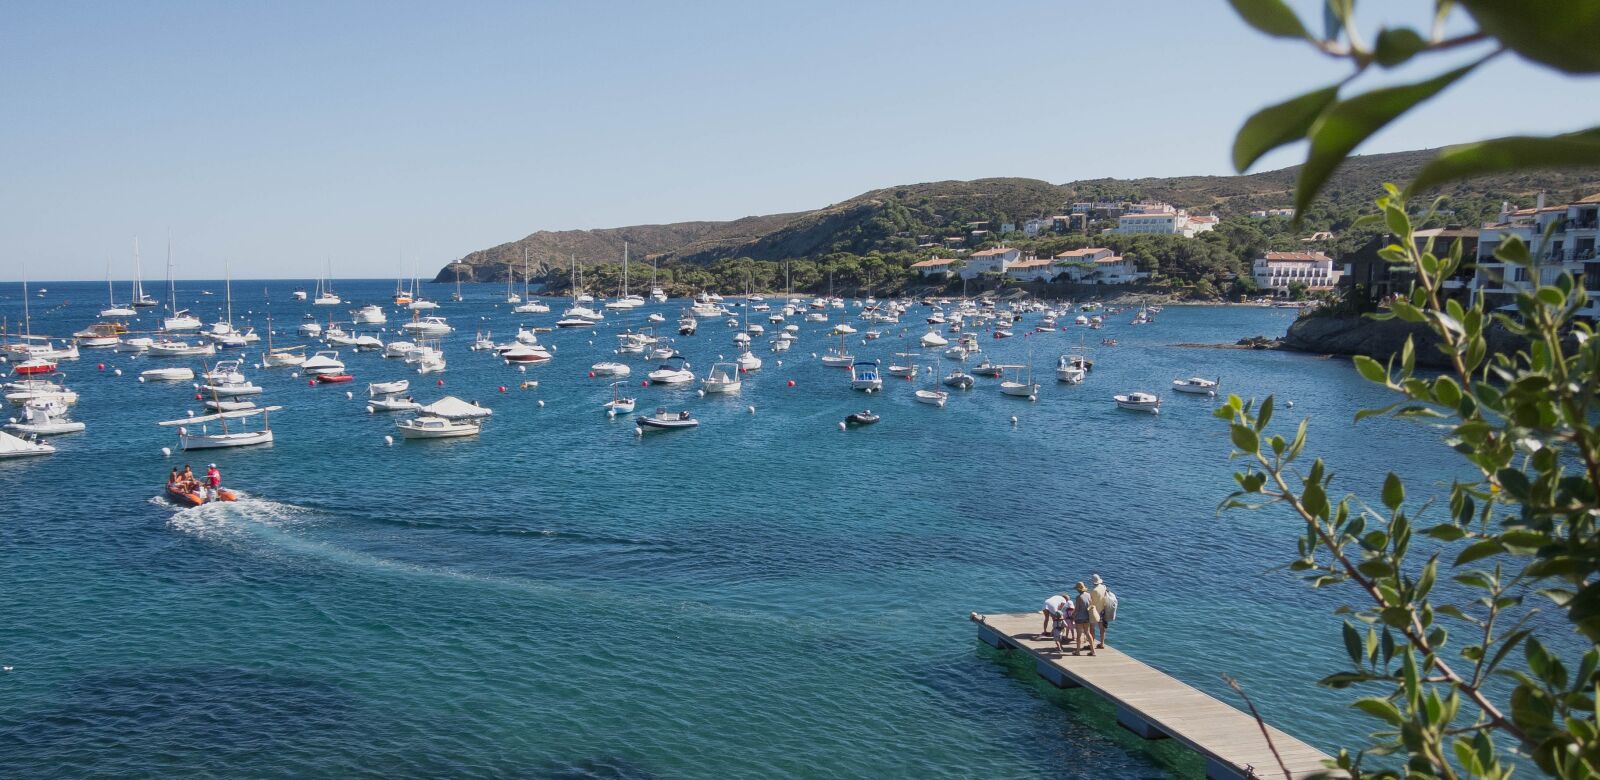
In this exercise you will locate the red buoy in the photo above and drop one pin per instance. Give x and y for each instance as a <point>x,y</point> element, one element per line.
<point>441,383</point>
<point>311,383</point>
<point>791,383</point>
<point>502,388</point>
<point>196,396</point>
<point>102,366</point>
<point>644,383</point>
<point>591,374</point>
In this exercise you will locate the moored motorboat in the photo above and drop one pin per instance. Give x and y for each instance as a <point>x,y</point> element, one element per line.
<point>1067,371</point>
<point>332,379</point>
<point>932,397</point>
<point>864,376</point>
<point>44,417</point>
<point>959,379</point>
<point>663,420</point>
<point>396,387</point>
<point>610,368</point>
<point>432,427</point>
<point>722,378</point>
<point>863,417</point>
<point>392,403</point>
<point>1196,386</point>
<point>18,447</point>
<point>673,371</point>
<point>324,362</point>
<point>169,374</point>
<point>1139,402</point>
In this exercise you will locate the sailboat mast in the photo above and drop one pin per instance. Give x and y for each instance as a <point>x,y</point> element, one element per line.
<point>524,273</point>
<point>138,274</point>
<point>624,269</point>
<point>27,317</point>
<point>172,287</point>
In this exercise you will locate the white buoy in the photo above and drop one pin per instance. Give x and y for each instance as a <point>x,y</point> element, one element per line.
<point>591,342</point>
<point>637,431</point>
<point>1013,419</point>
<point>1290,404</point>
<point>141,380</point>
<point>841,426</point>
<point>348,396</point>
<point>541,404</point>
<point>371,410</point>
<point>256,366</point>
<point>191,412</point>
<point>1033,398</point>
<point>522,369</point>
<point>700,393</point>
<point>780,364</point>
<point>388,440</point>
<point>116,372</point>
<point>752,410</point>
<point>294,375</point>
<point>508,362</point>
<point>611,413</point>
<point>166,452</point>
<point>552,347</point>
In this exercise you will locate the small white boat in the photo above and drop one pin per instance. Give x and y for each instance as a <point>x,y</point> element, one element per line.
<point>219,405</point>
<point>747,362</point>
<point>1139,402</point>
<point>324,362</point>
<point>904,365</point>
<point>428,326</point>
<point>932,397</point>
<point>15,447</point>
<point>398,349</point>
<point>722,378</point>
<point>959,380</point>
<point>532,307</point>
<point>175,348</point>
<point>231,389</point>
<point>44,417</point>
<point>1020,385</point>
<point>392,403</point>
<point>574,322</point>
<point>172,374</point>
<point>422,304</point>
<point>864,376</point>
<point>371,314</point>
<point>618,404</point>
<point>206,440</point>
<point>311,329</point>
<point>375,389</point>
<point>673,371</point>
<point>101,335</point>
<point>610,368</point>
<point>367,342</point>
<point>431,427</point>
<point>656,317</point>
<point>956,352</point>
<point>453,408</point>
<point>283,356</point>
<point>1196,386</point>
<point>1069,372</point>
<point>932,339</point>
<point>843,329</point>
<point>136,344</point>
<point>525,353</point>
<point>663,420</point>
<point>180,321</point>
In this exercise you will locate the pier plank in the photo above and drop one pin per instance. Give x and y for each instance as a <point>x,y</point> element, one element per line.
<point>1154,704</point>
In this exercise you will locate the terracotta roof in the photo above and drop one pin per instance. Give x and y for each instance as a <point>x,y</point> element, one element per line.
<point>1109,260</point>
<point>1085,252</point>
<point>1297,257</point>
<point>995,252</point>
<point>933,263</point>
<point>1032,262</point>
<point>1595,198</point>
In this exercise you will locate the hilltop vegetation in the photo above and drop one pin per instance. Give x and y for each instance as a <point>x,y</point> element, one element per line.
<point>871,240</point>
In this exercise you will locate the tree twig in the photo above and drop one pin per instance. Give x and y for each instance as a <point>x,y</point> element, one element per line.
<point>1261,724</point>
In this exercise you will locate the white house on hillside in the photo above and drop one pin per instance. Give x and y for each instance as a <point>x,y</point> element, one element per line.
<point>1560,238</point>
<point>1175,222</point>
<point>937,266</point>
<point>1105,267</point>
<point>995,260</point>
<point>1033,269</point>
<point>1276,271</point>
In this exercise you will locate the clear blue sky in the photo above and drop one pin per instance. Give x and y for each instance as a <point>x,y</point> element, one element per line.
<point>281,134</point>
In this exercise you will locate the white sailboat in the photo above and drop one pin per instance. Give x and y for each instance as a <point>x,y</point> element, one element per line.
<point>722,378</point>
<point>626,300</point>
<point>1020,384</point>
<point>325,293</point>
<point>140,299</point>
<point>114,309</point>
<point>281,356</point>
<point>511,278</point>
<point>206,440</point>
<point>179,319</point>
<point>529,305</point>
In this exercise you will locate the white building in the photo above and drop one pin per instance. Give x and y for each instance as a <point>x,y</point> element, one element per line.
<point>1098,265</point>
<point>1272,214</point>
<point>1033,269</point>
<point>937,266</point>
<point>1168,221</point>
<point>1559,238</point>
<point>1276,271</point>
<point>1033,226</point>
<point>995,260</point>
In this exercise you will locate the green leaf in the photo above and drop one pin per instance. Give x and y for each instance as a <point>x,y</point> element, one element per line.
<point>1479,550</point>
<point>1344,126</point>
<point>1264,416</point>
<point>1352,644</point>
<point>1370,369</point>
<point>1558,33</point>
<point>1514,153</point>
<point>1394,492</point>
<point>1446,532</point>
<point>1272,17</point>
<point>1280,124</point>
<point>1397,45</point>
<point>1246,439</point>
<point>1382,709</point>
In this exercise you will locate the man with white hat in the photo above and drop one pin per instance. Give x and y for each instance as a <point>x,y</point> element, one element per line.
<point>1105,603</point>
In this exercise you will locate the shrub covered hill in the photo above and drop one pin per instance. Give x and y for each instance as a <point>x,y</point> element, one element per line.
<point>870,241</point>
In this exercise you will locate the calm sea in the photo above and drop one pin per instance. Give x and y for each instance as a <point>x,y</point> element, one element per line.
<point>763,596</point>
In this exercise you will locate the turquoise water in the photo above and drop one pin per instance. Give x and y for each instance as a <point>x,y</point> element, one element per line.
<point>763,596</point>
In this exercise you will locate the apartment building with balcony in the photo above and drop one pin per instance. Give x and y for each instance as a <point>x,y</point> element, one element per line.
<point>1560,239</point>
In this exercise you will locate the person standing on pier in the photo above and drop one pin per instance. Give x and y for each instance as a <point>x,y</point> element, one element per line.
<point>1052,612</point>
<point>1084,618</point>
<point>1105,603</point>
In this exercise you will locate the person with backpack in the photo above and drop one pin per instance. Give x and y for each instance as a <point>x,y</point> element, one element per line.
<point>1105,603</point>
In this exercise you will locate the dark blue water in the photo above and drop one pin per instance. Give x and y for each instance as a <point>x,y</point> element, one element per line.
<point>562,598</point>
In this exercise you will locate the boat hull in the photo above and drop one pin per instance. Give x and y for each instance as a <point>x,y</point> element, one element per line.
<point>200,497</point>
<point>216,441</point>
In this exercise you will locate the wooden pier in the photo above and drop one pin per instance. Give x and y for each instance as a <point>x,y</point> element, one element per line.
<point>1156,705</point>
